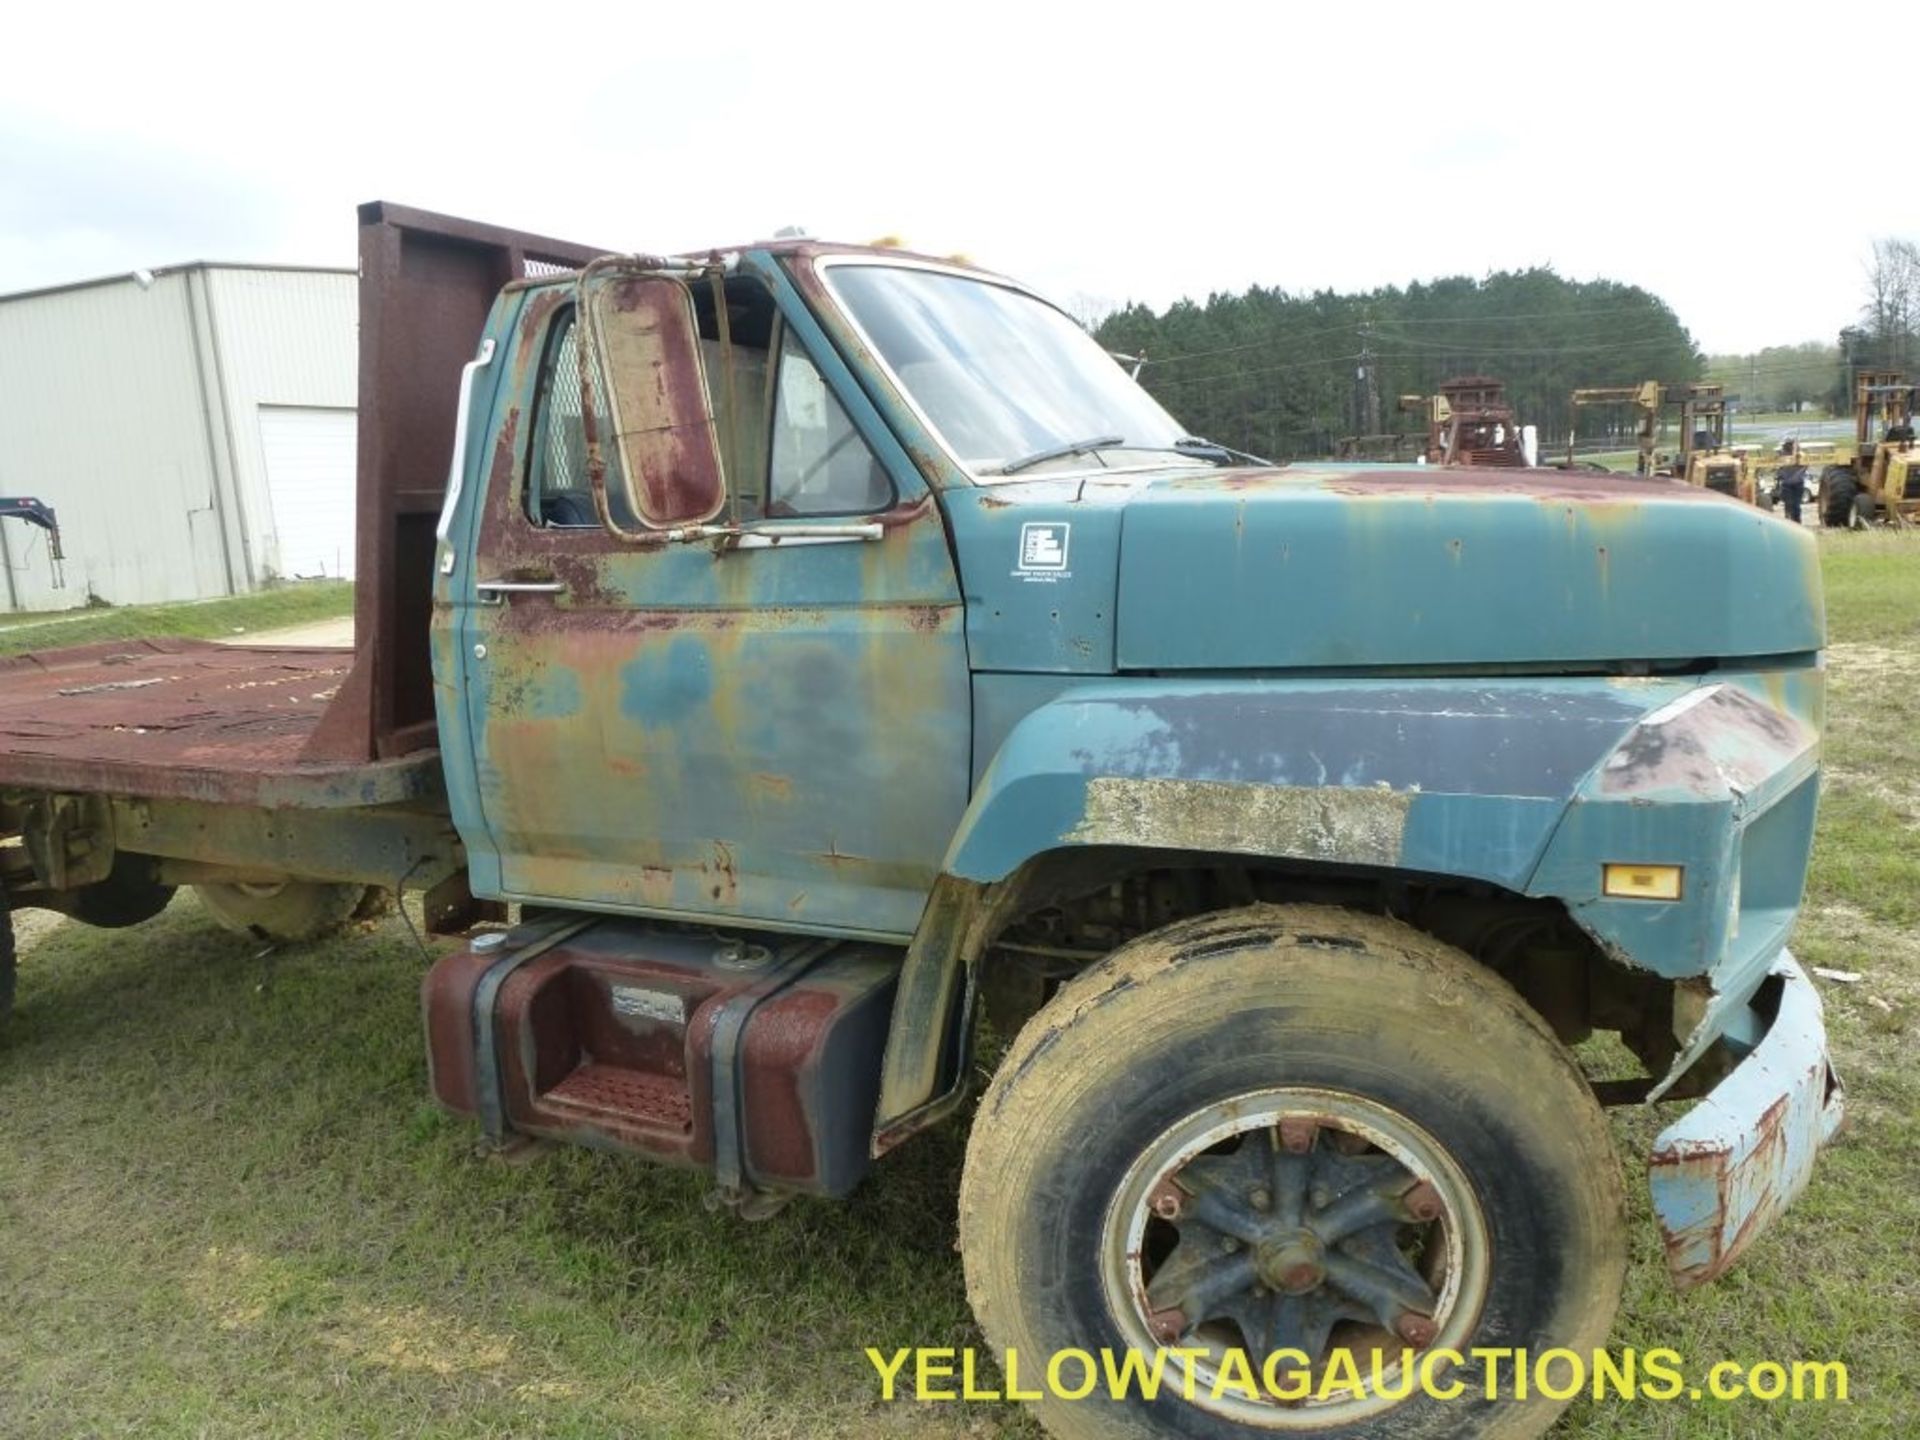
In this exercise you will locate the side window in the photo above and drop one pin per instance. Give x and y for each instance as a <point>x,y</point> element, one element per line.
<point>790,450</point>
<point>557,492</point>
<point>820,465</point>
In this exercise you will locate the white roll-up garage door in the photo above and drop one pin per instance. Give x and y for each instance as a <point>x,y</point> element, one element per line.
<point>309,456</point>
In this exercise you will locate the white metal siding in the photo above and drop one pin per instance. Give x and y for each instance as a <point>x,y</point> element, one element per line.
<point>308,458</point>
<point>100,417</point>
<point>135,413</point>
<point>284,338</point>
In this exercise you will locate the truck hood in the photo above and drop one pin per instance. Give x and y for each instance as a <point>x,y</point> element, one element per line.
<point>1336,568</point>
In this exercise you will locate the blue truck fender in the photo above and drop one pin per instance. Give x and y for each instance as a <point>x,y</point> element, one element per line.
<point>1433,777</point>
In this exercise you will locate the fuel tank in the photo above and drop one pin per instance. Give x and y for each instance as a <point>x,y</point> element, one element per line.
<point>756,1057</point>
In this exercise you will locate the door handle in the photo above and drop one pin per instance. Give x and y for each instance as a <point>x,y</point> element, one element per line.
<point>492,592</point>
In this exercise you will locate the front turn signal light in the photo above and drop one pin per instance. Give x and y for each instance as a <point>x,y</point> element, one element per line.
<point>1641,882</point>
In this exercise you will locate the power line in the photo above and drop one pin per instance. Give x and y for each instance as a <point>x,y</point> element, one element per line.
<point>1177,381</point>
<point>1468,348</point>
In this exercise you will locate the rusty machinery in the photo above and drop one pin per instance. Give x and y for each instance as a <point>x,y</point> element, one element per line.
<point>39,513</point>
<point>1882,481</point>
<point>1469,422</point>
<point>1704,458</point>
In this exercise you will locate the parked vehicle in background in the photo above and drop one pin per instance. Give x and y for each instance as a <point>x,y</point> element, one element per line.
<point>824,645</point>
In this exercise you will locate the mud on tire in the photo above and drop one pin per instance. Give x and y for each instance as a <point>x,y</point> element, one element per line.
<point>1378,1030</point>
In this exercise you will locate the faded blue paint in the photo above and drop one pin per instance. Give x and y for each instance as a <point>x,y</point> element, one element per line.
<point>460,697</point>
<point>1408,567</point>
<point>1036,619</point>
<point>806,737</point>
<point>1487,767</point>
<point>1733,1164</point>
<point>1730,768</point>
<point>779,735</point>
<point>668,683</point>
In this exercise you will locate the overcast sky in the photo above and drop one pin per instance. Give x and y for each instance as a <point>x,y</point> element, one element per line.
<point>1104,152</point>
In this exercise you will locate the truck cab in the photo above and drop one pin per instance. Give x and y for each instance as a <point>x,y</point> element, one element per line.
<point>840,661</point>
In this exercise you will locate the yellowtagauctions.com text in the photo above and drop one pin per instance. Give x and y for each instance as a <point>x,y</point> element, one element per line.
<point>1284,1376</point>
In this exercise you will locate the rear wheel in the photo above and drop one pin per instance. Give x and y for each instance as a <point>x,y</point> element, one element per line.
<point>283,910</point>
<point>1294,1138</point>
<point>1838,487</point>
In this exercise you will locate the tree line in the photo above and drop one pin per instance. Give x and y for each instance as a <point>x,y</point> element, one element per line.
<point>1287,376</point>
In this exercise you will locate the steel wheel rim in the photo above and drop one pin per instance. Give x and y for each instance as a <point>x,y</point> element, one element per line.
<point>1379,1142</point>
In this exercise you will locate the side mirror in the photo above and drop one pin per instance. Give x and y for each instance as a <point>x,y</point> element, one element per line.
<point>638,328</point>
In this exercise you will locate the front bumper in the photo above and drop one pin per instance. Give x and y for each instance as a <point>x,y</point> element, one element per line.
<point>1730,1166</point>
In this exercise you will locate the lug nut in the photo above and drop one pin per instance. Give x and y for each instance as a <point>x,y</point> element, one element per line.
<point>1423,1202</point>
<point>1260,1198</point>
<point>1167,1325</point>
<point>1229,1244</point>
<point>1166,1201</point>
<point>1296,1136</point>
<point>1416,1329</point>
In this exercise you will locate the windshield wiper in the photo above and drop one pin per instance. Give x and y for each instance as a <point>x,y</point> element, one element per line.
<point>1209,449</point>
<point>1061,452</point>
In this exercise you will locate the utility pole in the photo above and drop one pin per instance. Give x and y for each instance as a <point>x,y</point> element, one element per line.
<point>1366,384</point>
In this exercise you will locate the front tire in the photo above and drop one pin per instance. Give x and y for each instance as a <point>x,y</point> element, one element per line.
<point>1281,1128</point>
<point>288,911</point>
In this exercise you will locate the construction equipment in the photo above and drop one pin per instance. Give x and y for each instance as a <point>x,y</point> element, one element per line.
<point>1646,399</point>
<point>1704,458</point>
<point>1882,481</point>
<point>1469,422</point>
<point>38,512</point>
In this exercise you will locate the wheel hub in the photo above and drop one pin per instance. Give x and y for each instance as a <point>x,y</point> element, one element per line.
<point>1312,1223</point>
<point>1291,1264</point>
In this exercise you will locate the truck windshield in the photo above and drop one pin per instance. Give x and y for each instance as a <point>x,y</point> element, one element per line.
<point>1004,377</point>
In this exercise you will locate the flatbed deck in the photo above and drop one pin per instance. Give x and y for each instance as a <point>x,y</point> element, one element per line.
<point>189,720</point>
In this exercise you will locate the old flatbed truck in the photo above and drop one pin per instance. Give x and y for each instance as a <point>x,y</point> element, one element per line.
<point>828,646</point>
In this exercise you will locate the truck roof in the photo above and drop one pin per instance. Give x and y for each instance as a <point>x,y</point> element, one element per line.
<point>803,248</point>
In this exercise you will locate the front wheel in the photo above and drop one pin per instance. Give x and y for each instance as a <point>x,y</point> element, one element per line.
<point>1291,1138</point>
<point>285,910</point>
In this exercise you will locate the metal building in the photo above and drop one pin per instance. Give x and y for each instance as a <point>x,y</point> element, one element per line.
<point>193,427</point>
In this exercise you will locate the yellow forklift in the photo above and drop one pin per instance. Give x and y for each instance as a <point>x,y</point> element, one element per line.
<point>1704,458</point>
<point>1882,481</point>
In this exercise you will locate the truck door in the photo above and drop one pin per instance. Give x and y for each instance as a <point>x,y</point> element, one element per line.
<point>762,718</point>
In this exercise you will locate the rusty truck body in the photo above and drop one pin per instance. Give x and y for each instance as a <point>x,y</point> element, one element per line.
<point>829,647</point>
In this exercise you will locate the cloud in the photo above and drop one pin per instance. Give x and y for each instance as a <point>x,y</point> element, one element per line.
<point>1141,154</point>
<point>75,204</point>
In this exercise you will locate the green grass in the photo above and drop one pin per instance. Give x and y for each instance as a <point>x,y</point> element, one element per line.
<point>290,604</point>
<point>227,1207</point>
